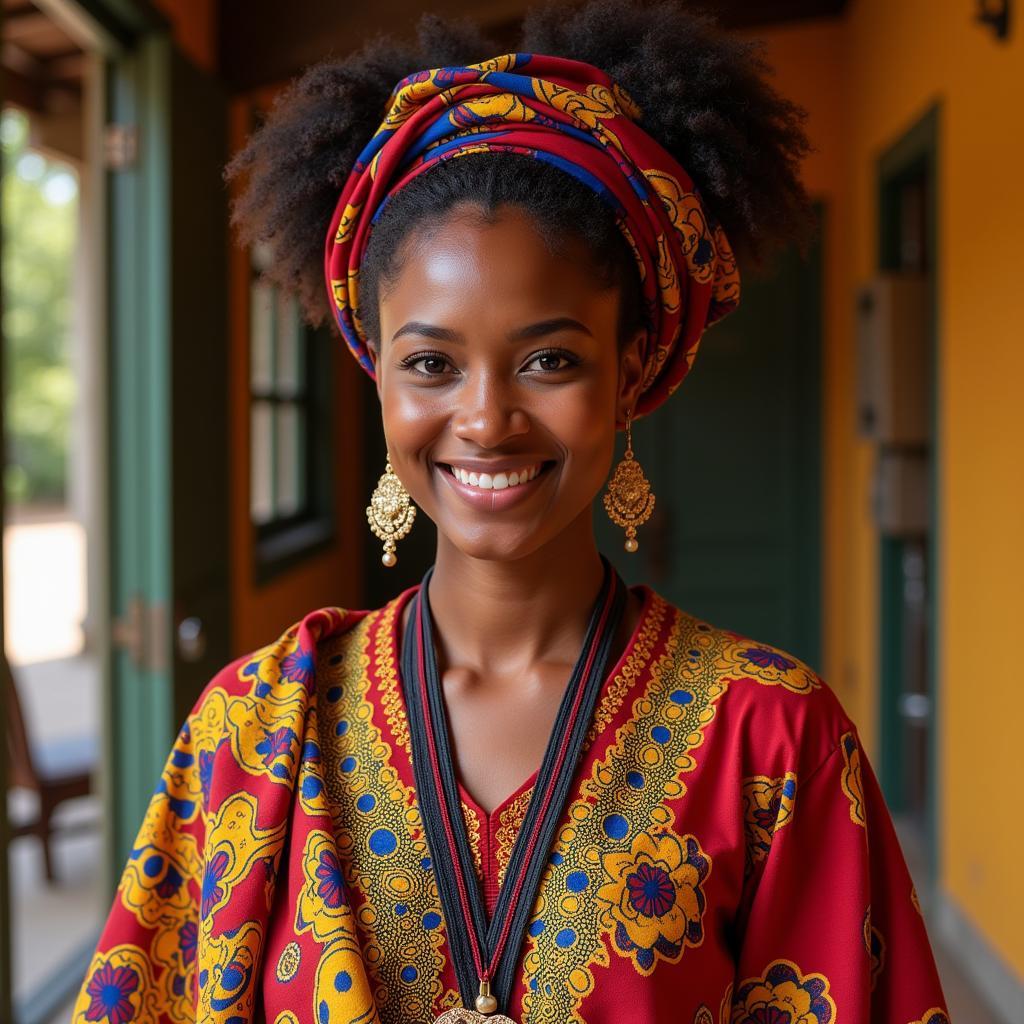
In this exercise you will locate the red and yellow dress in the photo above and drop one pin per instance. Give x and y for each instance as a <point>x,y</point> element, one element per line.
<point>725,855</point>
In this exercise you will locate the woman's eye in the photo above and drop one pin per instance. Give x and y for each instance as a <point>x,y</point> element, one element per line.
<point>428,365</point>
<point>551,361</point>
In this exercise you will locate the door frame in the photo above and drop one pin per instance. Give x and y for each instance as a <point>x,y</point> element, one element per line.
<point>122,40</point>
<point>917,147</point>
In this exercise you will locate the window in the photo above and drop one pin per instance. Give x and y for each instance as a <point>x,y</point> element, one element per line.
<point>290,427</point>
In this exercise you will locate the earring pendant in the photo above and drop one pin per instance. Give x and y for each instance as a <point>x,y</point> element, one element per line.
<point>628,499</point>
<point>390,513</point>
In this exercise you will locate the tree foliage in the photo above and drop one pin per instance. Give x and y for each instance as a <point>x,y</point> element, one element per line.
<point>40,227</point>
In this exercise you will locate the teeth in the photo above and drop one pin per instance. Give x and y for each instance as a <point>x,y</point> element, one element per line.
<point>496,481</point>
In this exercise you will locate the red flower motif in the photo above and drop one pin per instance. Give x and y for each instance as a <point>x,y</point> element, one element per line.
<point>109,989</point>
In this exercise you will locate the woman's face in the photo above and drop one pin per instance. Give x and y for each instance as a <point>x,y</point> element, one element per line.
<point>501,379</point>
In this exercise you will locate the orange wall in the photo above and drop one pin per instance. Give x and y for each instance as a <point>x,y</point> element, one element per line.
<point>891,62</point>
<point>194,26</point>
<point>260,612</point>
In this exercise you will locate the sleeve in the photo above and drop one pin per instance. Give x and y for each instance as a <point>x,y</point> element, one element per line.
<point>834,930</point>
<point>143,966</point>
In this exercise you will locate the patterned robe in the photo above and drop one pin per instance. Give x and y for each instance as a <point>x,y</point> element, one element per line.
<point>725,855</point>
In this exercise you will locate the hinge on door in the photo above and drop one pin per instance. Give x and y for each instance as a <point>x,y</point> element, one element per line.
<point>120,146</point>
<point>142,632</point>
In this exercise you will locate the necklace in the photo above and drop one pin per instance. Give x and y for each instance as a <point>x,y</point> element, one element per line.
<point>485,953</point>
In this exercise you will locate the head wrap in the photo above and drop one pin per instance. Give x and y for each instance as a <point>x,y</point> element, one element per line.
<point>571,114</point>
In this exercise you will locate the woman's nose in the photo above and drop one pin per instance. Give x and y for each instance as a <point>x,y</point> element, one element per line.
<point>488,412</point>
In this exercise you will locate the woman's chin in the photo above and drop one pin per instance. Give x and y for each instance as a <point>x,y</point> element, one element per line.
<point>498,544</point>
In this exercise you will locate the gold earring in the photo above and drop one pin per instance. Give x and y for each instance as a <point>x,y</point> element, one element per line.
<point>390,512</point>
<point>628,500</point>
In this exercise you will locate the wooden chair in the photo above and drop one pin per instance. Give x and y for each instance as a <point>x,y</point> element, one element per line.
<point>56,772</point>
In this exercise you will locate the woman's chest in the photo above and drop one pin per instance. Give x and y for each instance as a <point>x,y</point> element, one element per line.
<point>635,905</point>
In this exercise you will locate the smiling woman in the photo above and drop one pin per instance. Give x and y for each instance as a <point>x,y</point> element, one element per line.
<point>498,354</point>
<point>520,790</point>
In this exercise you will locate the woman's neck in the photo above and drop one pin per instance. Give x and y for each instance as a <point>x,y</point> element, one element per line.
<point>500,618</point>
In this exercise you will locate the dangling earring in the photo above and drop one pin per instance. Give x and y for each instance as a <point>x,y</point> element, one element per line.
<point>390,512</point>
<point>628,500</point>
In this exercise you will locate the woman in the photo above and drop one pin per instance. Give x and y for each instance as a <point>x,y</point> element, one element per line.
<point>352,825</point>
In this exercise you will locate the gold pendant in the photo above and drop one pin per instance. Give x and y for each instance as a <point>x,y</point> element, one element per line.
<point>484,1013</point>
<point>460,1015</point>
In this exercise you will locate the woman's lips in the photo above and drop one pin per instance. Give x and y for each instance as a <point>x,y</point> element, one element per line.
<point>494,491</point>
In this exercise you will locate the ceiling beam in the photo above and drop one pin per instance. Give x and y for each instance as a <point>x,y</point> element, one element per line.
<point>266,41</point>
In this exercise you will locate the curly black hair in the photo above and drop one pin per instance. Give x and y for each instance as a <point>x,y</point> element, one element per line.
<point>704,95</point>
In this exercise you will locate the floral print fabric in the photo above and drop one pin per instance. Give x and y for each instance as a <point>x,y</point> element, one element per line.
<point>725,856</point>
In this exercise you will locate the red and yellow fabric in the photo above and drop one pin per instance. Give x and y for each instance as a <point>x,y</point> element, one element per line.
<point>725,857</point>
<point>572,115</point>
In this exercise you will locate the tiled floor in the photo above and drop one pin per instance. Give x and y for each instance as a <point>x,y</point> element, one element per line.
<point>963,1000</point>
<point>52,923</point>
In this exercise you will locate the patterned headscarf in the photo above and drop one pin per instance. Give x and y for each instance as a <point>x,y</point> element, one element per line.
<point>574,116</point>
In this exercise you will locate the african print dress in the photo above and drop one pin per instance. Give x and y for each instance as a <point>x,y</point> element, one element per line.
<point>725,855</point>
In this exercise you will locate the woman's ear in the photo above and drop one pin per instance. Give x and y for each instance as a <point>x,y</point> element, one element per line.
<point>631,374</point>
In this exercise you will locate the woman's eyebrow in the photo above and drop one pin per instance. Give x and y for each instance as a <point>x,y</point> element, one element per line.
<point>537,330</point>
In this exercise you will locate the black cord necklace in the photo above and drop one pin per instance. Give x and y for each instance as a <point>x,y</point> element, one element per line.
<point>485,953</point>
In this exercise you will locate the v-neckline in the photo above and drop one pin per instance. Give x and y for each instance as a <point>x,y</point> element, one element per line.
<point>489,816</point>
<point>394,641</point>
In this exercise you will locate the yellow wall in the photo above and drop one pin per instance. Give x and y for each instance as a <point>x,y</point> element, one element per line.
<point>891,62</point>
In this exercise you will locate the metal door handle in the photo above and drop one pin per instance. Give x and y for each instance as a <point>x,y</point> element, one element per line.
<point>191,638</point>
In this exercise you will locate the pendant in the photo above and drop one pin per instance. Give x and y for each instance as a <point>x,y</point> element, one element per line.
<point>486,1004</point>
<point>463,1016</point>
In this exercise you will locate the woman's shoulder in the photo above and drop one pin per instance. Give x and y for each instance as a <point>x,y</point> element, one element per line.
<point>773,703</point>
<point>285,666</point>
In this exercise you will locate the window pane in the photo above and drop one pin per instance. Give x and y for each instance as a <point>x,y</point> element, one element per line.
<point>291,456</point>
<point>261,335</point>
<point>262,256</point>
<point>261,500</point>
<point>289,346</point>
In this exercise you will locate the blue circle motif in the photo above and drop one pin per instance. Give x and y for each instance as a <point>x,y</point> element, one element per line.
<point>577,881</point>
<point>231,978</point>
<point>616,826</point>
<point>565,938</point>
<point>635,780</point>
<point>348,764</point>
<point>342,981</point>
<point>366,803</point>
<point>681,697</point>
<point>409,973</point>
<point>431,920</point>
<point>660,734</point>
<point>383,842</point>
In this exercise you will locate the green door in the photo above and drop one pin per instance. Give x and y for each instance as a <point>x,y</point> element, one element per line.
<point>734,459</point>
<point>168,411</point>
<point>165,418</point>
